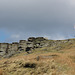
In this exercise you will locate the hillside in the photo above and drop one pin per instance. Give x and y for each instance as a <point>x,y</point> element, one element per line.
<point>54,57</point>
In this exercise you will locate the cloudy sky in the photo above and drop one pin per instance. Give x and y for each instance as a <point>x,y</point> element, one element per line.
<point>20,19</point>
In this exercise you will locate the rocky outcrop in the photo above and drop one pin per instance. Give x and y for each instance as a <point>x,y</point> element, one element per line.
<point>8,49</point>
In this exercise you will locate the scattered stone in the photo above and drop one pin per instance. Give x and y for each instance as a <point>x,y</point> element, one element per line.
<point>37,58</point>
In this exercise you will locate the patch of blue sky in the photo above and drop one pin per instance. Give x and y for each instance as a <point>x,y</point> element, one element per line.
<point>3,35</point>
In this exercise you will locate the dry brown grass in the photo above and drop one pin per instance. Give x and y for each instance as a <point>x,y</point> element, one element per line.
<point>48,64</point>
<point>1,72</point>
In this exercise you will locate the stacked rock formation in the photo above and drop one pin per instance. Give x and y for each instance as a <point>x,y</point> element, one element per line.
<point>23,45</point>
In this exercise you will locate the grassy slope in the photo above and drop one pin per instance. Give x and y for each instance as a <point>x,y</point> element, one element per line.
<point>55,60</point>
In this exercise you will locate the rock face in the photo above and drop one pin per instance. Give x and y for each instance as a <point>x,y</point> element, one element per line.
<point>3,48</point>
<point>22,45</point>
<point>8,49</point>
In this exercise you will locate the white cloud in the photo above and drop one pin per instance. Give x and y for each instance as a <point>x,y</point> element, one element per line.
<point>15,36</point>
<point>59,37</point>
<point>55,37</point>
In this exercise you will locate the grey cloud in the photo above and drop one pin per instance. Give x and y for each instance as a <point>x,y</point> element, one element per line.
<point>38,17</point>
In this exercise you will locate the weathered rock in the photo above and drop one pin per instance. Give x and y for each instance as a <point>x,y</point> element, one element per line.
<point>31,39</point>
<point>22,45</point>
<point>9,49</point>
<point>3,48</point>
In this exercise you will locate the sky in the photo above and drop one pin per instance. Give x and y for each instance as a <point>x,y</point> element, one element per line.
<point>20,19</point>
